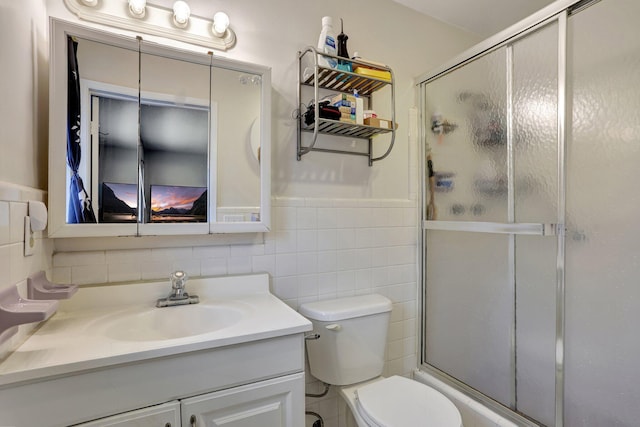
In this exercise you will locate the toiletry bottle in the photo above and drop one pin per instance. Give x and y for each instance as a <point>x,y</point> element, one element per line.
<point>327,43</point>
<point>357,57</point>
<point>342,49</point>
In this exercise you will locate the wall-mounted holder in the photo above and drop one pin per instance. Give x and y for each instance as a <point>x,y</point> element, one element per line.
<point>35,221</point>
<point>39,288</point>
<point>15,310</point>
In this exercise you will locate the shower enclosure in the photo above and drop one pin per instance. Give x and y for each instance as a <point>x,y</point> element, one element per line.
<point>531,242</point>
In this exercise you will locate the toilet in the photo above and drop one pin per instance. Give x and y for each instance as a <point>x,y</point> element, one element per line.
<point>349,353</point>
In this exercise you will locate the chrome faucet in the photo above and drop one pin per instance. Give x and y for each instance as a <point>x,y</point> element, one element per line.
<point>178,295</point>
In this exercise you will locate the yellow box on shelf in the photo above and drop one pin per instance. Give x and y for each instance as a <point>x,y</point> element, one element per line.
<point>370,72</point>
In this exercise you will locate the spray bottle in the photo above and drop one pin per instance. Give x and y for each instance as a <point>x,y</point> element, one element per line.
<point>342,49</point>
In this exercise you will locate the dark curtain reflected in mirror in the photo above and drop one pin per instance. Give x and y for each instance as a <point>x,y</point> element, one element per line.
<point>79,208</point>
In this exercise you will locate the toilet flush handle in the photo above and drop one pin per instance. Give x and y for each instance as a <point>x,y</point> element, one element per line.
<point>334,327</point>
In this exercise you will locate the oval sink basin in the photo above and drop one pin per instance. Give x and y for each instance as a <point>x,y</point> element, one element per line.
<point>156,324</point>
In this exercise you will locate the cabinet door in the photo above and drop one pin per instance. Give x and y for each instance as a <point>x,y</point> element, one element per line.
<point>165,415</point>
<point>275,403</point>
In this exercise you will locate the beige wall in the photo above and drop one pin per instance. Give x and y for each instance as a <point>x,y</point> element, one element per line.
<point>23,85</point>
<point>23,148</point>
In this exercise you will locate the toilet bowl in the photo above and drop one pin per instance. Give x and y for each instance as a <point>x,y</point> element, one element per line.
<point>347,350</point>
<point>398,402</point>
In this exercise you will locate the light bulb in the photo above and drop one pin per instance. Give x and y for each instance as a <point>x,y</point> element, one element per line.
<point>137,8</point>
<point>181,13</point>
<point>220,24</point>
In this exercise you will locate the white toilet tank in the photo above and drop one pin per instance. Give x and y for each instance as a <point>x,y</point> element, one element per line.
<point>353,335</point>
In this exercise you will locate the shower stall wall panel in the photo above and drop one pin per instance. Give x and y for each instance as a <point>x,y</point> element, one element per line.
<point>602,362</point>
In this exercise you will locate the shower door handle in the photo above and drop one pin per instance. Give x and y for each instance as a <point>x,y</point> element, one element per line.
<point>517,228</point>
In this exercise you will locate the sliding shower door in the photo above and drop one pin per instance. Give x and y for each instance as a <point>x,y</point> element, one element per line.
<point>602,365</point>
<point>469,301</point>
<point>531,208</point>
<point>490,252</point>
<point>535,98</point>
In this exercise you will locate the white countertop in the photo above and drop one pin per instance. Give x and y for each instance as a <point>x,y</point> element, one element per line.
<point>75,339</point>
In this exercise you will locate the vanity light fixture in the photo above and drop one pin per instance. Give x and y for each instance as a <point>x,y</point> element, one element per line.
<point>144,17</point>
<point>181,14</point>
<point>220,24</point>
<point>138,8</point>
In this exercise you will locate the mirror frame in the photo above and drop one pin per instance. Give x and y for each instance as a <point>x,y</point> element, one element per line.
<point>57,226</point>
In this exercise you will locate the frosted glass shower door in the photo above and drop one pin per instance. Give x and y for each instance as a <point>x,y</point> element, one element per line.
<point>469,310</point>
<point>535,135</point>
<point>602,375</point>
<point>490,266</point>
<point>469,302</point>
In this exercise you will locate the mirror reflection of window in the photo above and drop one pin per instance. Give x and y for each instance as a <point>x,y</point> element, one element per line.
<point>175,145</point>
<point>169,149</point>
<point>117,136</point>
<point>174,139</point>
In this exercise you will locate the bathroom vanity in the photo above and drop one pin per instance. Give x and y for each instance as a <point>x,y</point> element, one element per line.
<point>110,357</point>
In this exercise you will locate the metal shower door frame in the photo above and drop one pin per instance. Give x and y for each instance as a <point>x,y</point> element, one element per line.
<point>557,12</point>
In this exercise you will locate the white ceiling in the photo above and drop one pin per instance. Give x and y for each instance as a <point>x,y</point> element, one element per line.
<point>482,17</point>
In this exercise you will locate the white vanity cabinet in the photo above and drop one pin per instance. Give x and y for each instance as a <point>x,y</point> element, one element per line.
<point>76,369</point>
<point>165,415</point>
<point>242,385</point>
<point>273,403</point>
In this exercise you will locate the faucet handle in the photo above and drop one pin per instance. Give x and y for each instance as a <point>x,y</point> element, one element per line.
<point>178,296</point>
<point>178,280</point>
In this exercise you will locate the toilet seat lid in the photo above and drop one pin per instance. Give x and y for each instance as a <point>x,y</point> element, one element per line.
<point>400,402</point>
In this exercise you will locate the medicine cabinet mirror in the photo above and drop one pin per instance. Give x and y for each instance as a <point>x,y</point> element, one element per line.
<point>150,140</point>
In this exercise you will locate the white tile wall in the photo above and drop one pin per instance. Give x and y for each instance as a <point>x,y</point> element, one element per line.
<point>14,266</point>
<point>318,249</point>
